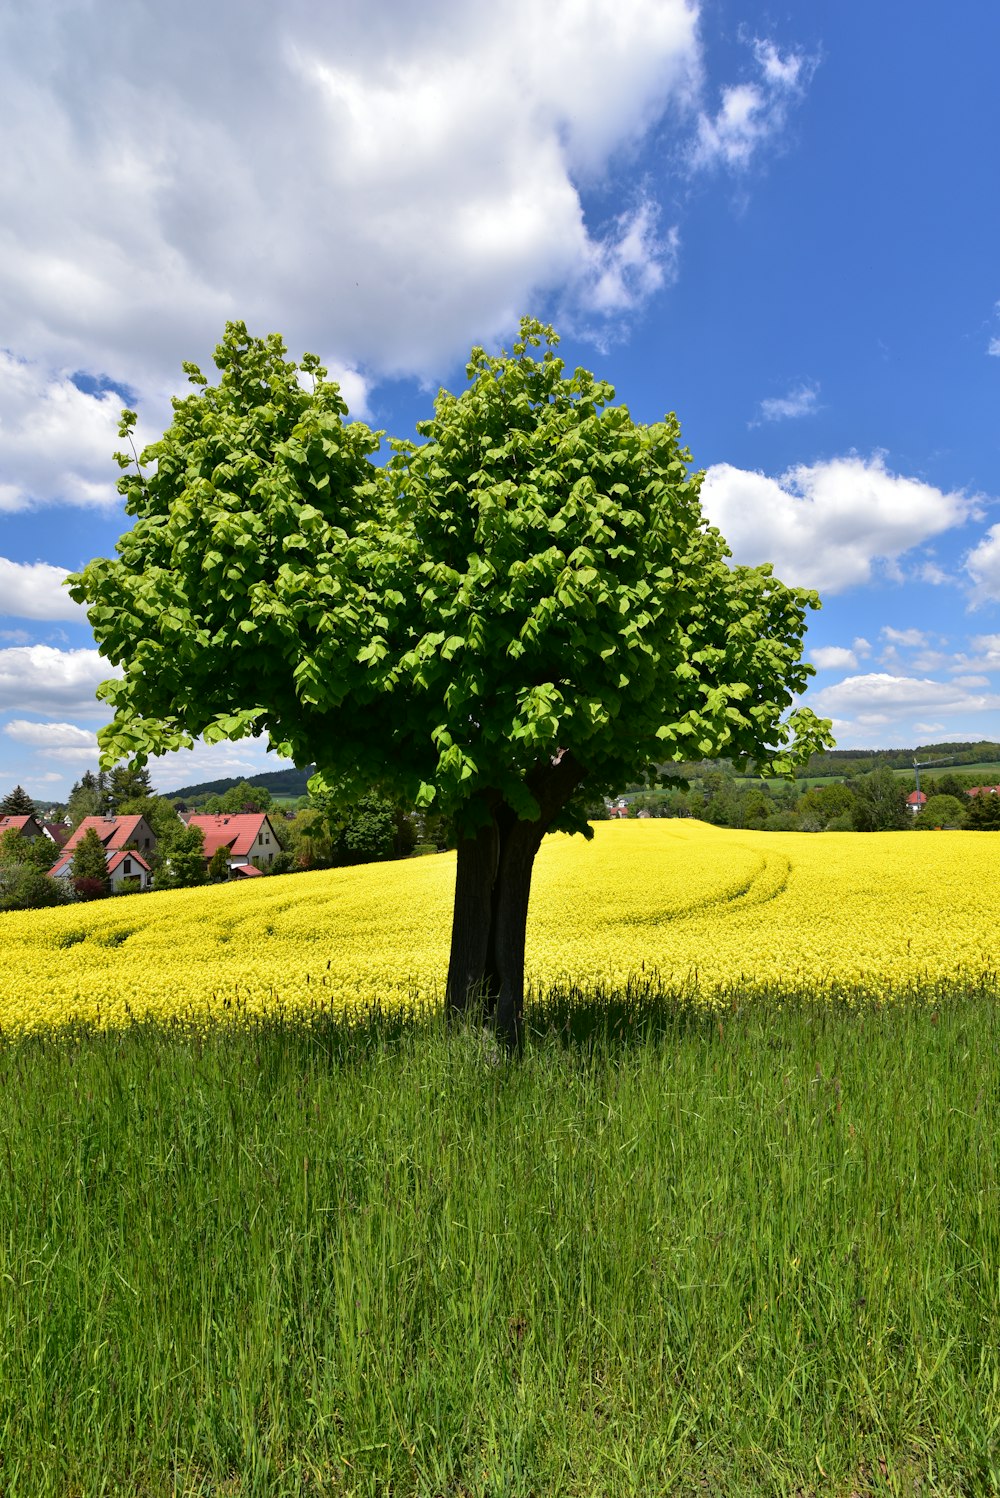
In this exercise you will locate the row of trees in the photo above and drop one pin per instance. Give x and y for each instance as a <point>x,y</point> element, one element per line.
<point>875,802</point>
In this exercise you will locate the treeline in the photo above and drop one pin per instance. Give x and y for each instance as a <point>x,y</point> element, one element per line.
<point>872,802</point>
<point>852,762</point>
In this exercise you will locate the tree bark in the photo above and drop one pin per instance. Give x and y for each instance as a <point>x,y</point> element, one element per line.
<point>492,890</point>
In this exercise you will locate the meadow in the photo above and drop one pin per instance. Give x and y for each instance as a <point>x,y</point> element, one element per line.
<point>731,1226</point>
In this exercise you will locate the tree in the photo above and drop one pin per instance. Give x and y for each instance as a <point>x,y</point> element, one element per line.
<point>983,812</point>
<point>17,803</point>
<point>89,867</point>
<point>186,865</point>
<point>821,805</point>
<point>524,607</point>
<point>941,811</point>
<point>90,797</point>
<point>879,802</point>
<point>129,782</point>
<point>218,865</point>
<point>24,865</point>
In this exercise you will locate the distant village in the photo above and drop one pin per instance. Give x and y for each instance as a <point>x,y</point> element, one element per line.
<point>246,843</point>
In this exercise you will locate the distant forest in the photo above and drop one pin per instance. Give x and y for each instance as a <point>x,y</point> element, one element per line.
<point>841,762</point>
<point>280,783</point>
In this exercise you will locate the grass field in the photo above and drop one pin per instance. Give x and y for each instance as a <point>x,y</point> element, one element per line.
<point>665,1254</point>
<point>731,1227</point>
<point>679,905</point>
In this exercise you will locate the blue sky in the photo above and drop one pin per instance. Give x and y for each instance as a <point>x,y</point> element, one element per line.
<point>780,223</point>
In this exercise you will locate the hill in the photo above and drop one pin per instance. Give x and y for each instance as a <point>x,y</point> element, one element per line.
<point>281,783</point>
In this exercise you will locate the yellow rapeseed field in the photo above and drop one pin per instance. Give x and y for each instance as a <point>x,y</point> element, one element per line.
<point>712,911</point>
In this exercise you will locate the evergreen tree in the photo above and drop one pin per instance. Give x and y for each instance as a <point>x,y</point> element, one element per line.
<point>128,782</point>
<point>983,814</point>
<point>17,804</point>
<point>90,867</point>
<point>218,866</point>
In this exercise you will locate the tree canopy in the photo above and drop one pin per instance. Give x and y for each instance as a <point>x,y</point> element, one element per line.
<point>525,601</point>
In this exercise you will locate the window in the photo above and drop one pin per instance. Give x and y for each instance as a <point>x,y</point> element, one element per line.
<point>127,866</point>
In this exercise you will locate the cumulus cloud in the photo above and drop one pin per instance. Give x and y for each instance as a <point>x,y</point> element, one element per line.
<point>62,741</point>
<point>751,114</point>
<point>827,524</point>
<point>879,698</point>
<point>412,183</point>
<point>833,657</point>
<point>983,567</point>
<point>34,590</point>
<point>994,348</point>
<point>913,637</point>
<point>42,679</point>
<point>801,400</point>
<point>56,440</point>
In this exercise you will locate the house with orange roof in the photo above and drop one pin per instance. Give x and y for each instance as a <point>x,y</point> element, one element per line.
<point>28,826</point>
<point>248,837</point>
<point>116,833</point>
<point>127,869</point>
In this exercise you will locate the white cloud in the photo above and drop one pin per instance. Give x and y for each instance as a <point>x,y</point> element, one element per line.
<point>833,657</point>
<point>983,566</point>
<point>929,727</point>
<point>824,525</point>
<point>879,698</point>
<point>862,647</point>
<point>385,183</point>
<point>63,741</point>
<point>800,401</point>
<point>47,736</point>
<point>41,679</point>
<point>985,655</point>
<point>911,637</point>
<point>930,572</point>
<point>34,590</point>
<point>56,442</point>
<point>751,114</point>
<point>994,347</point>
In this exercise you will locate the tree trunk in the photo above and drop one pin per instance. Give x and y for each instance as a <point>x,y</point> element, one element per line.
<point>492,889</point>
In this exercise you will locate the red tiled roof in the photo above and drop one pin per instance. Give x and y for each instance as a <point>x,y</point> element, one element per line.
<point>114,832</point>
<point>916,798</point>
<point>14,824</point>
<point>238,833</point>
<point>247,871</point>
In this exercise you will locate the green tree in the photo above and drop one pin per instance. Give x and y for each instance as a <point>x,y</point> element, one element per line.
<point>90,797</point>
<point>24,865</point>
<point>89,867</point>
<point>941,811</point>
<point>983,813</point>
<point>879,802</point>
<point>17,803</point>
<point>127,783</point>
<point>241,798</point>
<point>218,865</point>
<point>525,606</point>
<point>186,865</point>
<point>821,805</point>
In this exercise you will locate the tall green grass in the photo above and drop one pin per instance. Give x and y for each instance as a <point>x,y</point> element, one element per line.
<point>662,1254</point>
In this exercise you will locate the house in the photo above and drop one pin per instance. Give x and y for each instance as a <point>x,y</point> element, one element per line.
<point>916,801</point>
<point>983,790</point>
<point>29,827</point>
<point>248,837</point>
<point>115,833</point>
<point>124,866</point>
